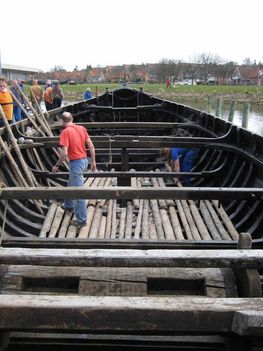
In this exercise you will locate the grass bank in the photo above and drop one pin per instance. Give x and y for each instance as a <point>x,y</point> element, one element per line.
<point>187,93</point>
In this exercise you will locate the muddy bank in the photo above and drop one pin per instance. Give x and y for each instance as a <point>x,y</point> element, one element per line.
<point>256,98</point>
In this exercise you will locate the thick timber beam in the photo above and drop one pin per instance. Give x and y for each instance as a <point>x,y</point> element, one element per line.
<point>127,193</point>
<point>133,258</point>
<point>136,315</point>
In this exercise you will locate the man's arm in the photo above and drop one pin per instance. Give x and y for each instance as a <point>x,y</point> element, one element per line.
<point>175,165</point>
<point>91,148</point>
<point>62,157</point>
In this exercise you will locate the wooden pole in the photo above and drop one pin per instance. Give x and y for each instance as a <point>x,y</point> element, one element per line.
<point>218,107</point>
<point>27,114</point>
<point>47,130</point>
<point>145,219</point>
<point>17,149</point>
<point>208,106</point>
<point>122,223</point>
<point>42,121</point>
<point>128,227</point>
<point>246,109</point>
<point>232,111</point>
<point>20,177</point>
<point>48,220</point>
<point>43,118</point>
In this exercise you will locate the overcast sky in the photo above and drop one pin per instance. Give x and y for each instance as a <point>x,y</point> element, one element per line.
<point>43,34</point>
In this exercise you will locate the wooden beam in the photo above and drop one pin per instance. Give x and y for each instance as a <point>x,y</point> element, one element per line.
<point>133,258</point>
<point>127,193</point>
<point>123,244</point>
<point>158,315</point>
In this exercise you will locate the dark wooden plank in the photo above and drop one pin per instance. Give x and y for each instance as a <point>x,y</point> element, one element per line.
<point>125,193</point>
<point>248,323</point>
<point>115,281</point>
<point>136,315</point>
<point>122,244</point>
<point>133,258</point>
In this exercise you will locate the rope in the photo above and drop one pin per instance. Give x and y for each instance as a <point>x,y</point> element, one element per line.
<point>2,185</point>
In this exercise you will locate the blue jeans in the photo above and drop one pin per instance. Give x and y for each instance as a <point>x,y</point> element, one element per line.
<point>17,113</point>
<point>76,169</point>
<point>187,163</point>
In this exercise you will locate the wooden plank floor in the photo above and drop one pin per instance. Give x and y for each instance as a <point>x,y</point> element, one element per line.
<point>142,219</point>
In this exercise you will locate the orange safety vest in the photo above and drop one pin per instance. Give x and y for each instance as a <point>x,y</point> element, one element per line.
<point>6,102</point>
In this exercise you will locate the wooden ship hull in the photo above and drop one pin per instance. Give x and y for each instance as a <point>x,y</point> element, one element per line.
<point>158,265</point>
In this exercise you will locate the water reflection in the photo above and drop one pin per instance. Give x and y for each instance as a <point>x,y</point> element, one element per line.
<point>255,121</point>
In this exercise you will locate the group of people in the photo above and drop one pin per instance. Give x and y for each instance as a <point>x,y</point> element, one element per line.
<point>13,102</point>
<point>53,94</point>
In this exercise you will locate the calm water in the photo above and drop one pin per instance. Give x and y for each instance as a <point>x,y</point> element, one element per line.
<point>255,121</point>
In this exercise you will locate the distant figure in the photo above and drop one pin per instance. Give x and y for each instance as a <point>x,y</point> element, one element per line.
<point>48,96</point>
<point>57,95</point>
<point>180,160</point>
<point>17,111</point>
<point>38,93</point>
<point>6,102</point>
<point>168,83</point>
<point>88,94</point>
<point>48,84</point>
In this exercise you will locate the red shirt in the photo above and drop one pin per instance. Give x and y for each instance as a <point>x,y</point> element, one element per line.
<point>74,137</point>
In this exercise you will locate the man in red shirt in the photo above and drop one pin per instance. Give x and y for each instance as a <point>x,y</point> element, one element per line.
<point>74,139</point>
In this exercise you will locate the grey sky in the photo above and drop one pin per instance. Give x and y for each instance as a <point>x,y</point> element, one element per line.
<point>109,32</point>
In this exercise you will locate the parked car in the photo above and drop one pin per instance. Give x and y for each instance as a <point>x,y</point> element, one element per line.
<point>212,81</point>
<point>184,82</point>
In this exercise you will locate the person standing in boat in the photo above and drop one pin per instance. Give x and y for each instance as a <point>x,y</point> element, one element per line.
<point>180,159</point>
<point>48,96</point>
<point>57,95</point>
<point>88,94</point>
<point>6,101</point>
<point>36,91</point>
<point>74,140</point>
<point>17,111</point>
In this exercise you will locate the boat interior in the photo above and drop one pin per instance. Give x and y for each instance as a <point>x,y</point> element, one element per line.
<point>159,264</point>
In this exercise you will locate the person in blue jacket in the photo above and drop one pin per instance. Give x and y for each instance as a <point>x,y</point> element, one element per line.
<point>88,94</point>
<point>180,159</point>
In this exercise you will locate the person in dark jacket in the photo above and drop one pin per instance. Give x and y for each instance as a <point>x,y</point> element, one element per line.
<point>57,94</point>
<point>17,111</point>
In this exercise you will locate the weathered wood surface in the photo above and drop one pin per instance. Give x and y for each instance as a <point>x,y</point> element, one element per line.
<point>133,258</point>
<point>126,193</point>
<point>151,219</point>
<point>115,281</point>
<point>131,314</point>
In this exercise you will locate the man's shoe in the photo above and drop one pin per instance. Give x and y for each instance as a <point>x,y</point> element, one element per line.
<point>77,224</point>
<point>68,209</point>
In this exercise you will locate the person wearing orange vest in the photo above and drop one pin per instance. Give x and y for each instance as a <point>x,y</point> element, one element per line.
<point>48,98</point>
<point>6,101</point>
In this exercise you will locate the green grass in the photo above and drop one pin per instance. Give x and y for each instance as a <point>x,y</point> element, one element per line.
<point>151,88</point>
<point>239,93</point>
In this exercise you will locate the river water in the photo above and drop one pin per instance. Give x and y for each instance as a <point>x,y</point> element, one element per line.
<point>255,121</point>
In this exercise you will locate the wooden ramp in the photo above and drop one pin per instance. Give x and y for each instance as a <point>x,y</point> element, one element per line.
<point>145,219</point>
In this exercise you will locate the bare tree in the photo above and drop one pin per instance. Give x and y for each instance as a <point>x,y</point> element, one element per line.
<point>247,61</point>
<point>208,63</point>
